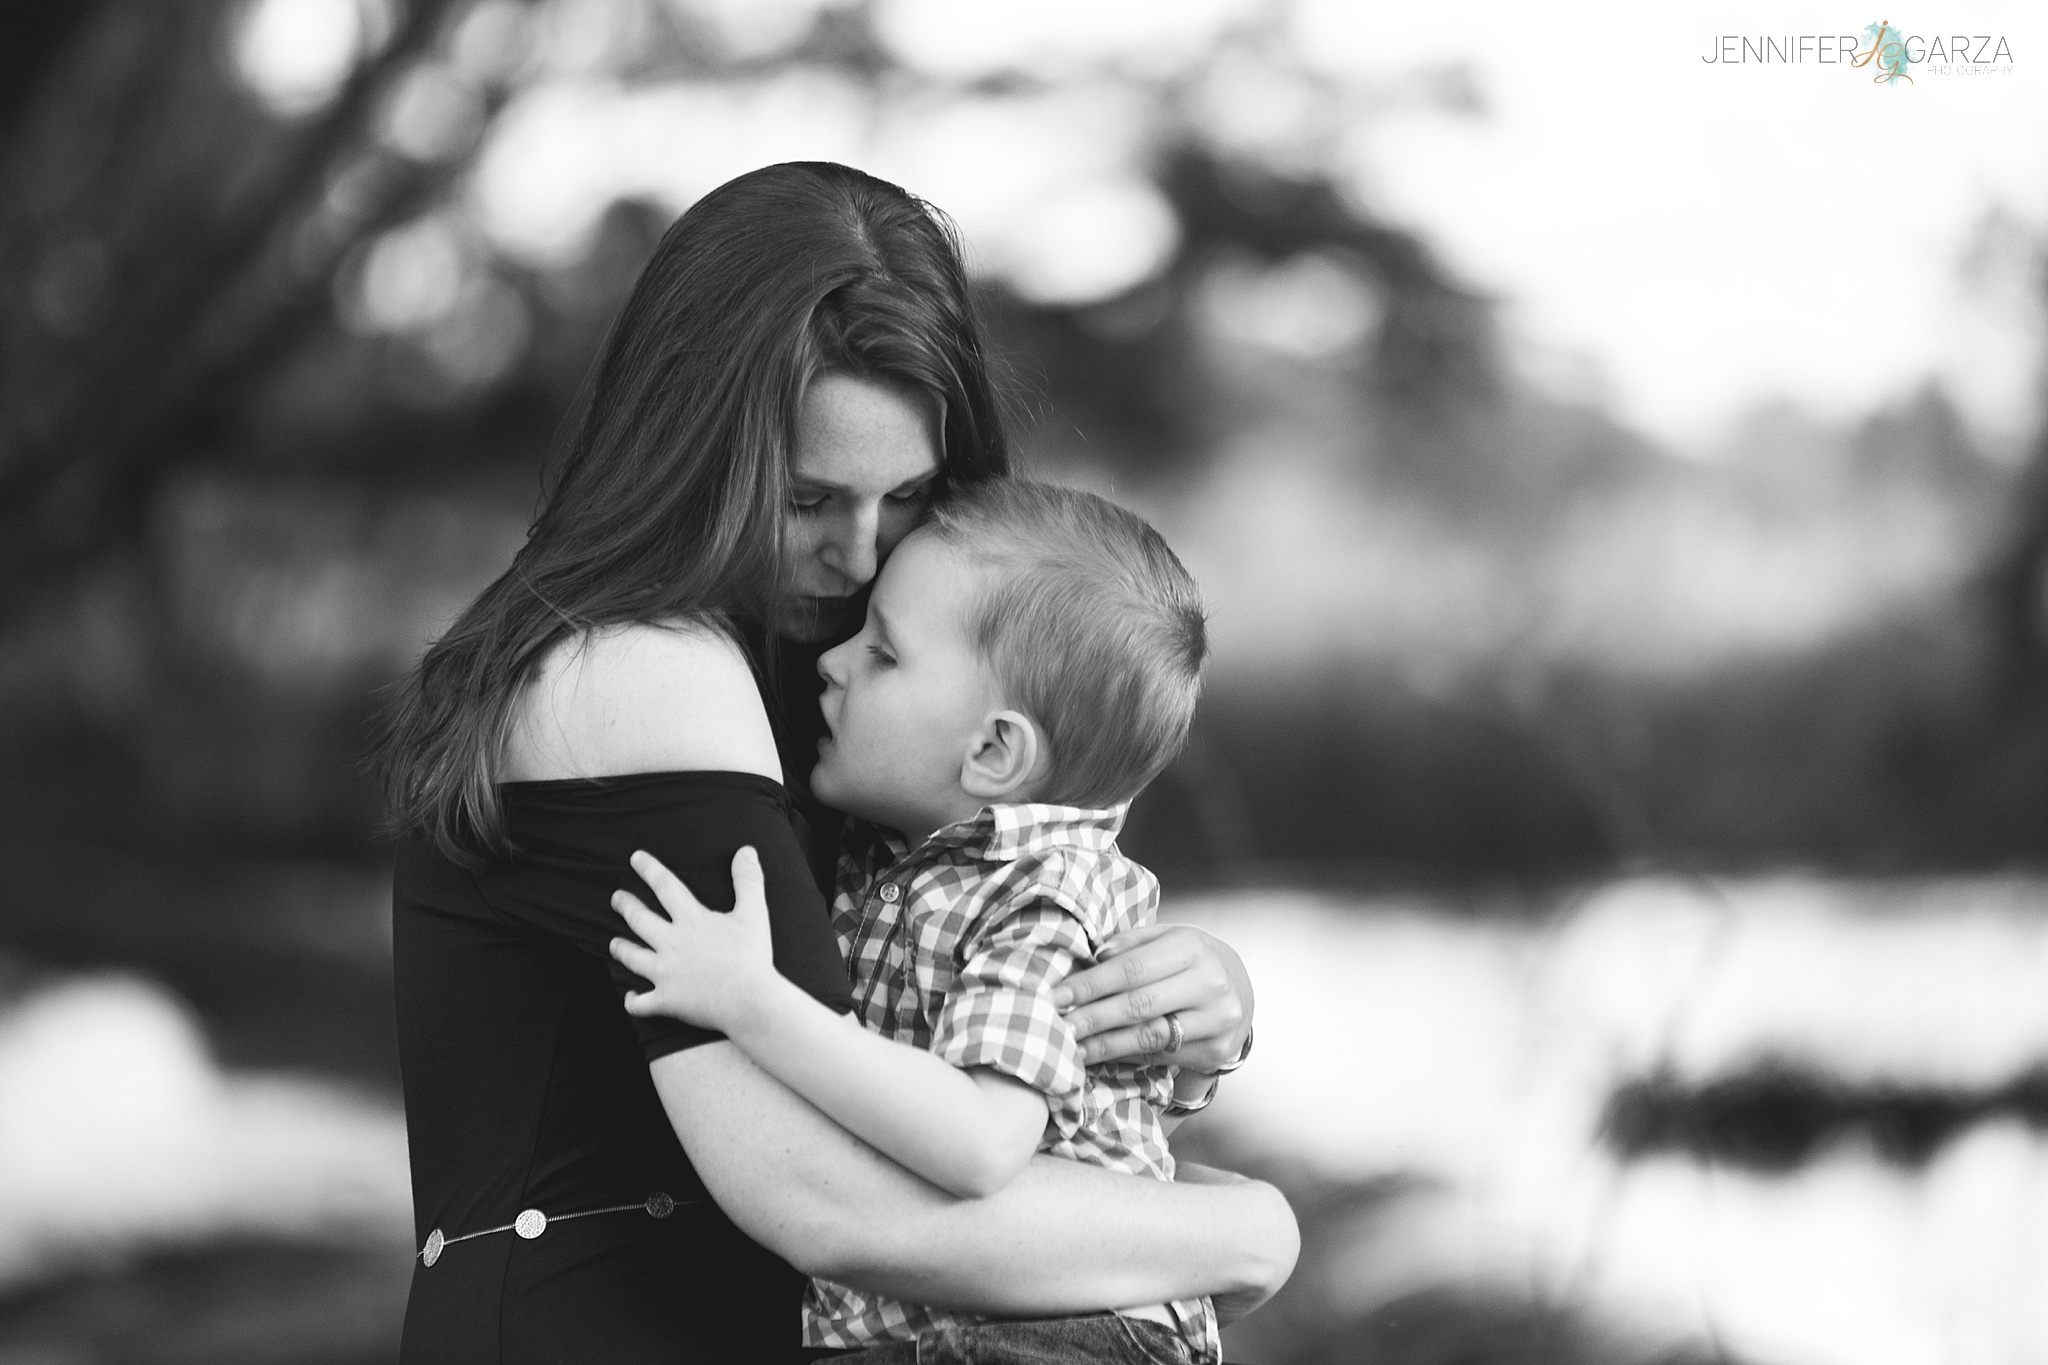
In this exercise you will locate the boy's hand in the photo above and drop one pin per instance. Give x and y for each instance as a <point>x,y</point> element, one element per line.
<point>704,966</point>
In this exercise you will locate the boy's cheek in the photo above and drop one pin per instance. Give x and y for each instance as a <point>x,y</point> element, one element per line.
<point>825,782</point>
<point>833,768</point>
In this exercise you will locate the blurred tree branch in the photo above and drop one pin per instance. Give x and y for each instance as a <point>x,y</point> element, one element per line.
<point>1436,343</point>
<point>30,33</point>
<point>2016,578</point>
<point>162,240</point>
<point>2018,581</point>
<point>1434,349</point>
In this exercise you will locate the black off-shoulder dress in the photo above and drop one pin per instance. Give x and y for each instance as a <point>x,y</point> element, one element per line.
<point>526,1084</point>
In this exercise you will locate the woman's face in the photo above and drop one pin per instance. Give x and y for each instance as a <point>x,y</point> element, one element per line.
<point>862,470</point>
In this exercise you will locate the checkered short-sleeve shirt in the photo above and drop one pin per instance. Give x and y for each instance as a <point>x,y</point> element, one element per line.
<point>955,946</point>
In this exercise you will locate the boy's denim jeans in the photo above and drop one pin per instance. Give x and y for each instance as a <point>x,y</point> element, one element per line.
<point>1098,1339</point>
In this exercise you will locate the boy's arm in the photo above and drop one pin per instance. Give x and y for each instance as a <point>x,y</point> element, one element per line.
<point>967,1131</point>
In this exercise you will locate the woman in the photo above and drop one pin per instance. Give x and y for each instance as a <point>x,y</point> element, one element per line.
<point>796,373</point>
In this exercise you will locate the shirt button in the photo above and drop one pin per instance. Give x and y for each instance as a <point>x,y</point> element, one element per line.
<point>891,892</point>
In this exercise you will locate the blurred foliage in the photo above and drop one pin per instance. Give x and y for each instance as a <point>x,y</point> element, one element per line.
<point>163,242</point>
<point>1778,1115</point>
<point>233,505</point>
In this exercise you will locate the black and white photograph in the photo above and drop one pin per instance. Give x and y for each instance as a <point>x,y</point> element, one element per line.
<point>1412,638</point>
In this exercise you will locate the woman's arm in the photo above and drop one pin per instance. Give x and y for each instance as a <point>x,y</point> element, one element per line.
<point>1060,1238</point>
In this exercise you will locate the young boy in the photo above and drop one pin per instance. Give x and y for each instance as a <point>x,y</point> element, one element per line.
<point>1030,661</point>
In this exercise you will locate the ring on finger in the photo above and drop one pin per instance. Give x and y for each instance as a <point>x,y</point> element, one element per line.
<point>1176,1035</point>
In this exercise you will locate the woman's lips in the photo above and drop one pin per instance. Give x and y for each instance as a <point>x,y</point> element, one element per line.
<point>818,617</point>
<point>828,608</point>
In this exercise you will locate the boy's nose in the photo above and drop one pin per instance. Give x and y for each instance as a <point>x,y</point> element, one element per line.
<point>831,664</point>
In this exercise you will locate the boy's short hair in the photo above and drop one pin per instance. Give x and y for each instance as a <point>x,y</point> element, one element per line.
<point>1091,626</point>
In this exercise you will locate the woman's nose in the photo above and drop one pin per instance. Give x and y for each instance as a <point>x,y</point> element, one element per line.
<point>853,551</point>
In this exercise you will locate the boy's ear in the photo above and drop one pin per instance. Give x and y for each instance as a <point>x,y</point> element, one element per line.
<point>1004,758</point>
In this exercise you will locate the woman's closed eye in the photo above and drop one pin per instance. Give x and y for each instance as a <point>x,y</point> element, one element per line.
<point>808,504</point>
<point>881,656</point>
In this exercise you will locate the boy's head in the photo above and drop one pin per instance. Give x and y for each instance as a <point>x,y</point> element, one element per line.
<point>1027,643</point>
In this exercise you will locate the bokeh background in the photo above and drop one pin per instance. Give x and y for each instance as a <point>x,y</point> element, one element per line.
<point>1617,478</point>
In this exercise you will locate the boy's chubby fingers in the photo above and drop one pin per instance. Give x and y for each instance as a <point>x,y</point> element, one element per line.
<point>634,958</point>
<point>640,1004</point>
<point>666,885</point>
<point>749,886</point>
<point>747,877</point>
<point>638,917</point>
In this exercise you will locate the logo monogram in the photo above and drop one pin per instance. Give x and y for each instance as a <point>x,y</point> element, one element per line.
<point>1887,51</point>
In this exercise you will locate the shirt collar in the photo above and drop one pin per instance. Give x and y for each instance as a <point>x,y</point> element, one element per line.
<point>1005,833</point>
<point>1002,833</point>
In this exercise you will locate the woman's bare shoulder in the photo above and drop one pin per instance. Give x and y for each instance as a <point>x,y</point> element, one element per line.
<point>641,698</point>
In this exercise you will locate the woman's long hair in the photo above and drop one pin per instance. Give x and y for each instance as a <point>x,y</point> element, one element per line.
<point>669,498</point>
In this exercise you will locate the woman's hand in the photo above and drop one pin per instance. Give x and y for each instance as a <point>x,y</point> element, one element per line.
<point>1119,1007</point>
<point>704,966</point>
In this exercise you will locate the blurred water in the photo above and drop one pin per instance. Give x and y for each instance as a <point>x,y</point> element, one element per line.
<point>1475,1056</point>
<point>1457,1057</point>
<point>120,1136</point>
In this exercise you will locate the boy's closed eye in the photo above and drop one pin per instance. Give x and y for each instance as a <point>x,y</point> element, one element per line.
<point>882,647</point>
